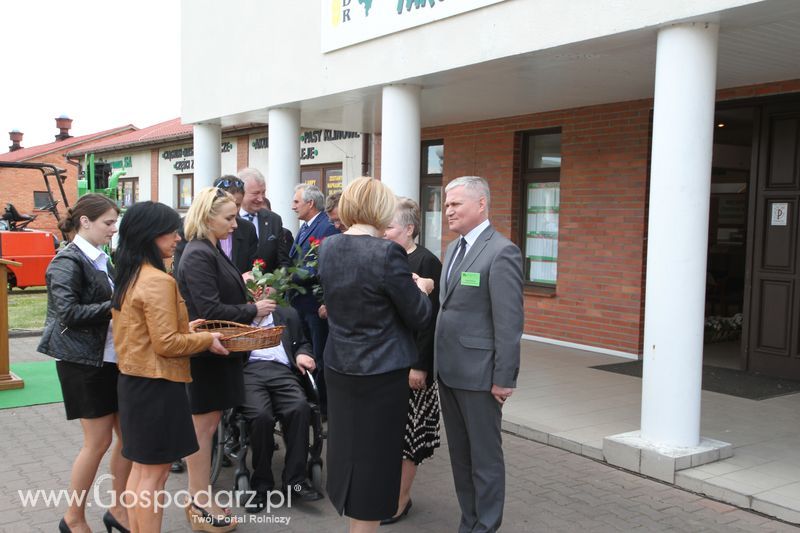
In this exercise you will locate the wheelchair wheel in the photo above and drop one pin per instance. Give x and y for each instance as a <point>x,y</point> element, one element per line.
<point>217,452</point>
<point>315,474</point>
<point>242,483</point>
<point>241,487</point>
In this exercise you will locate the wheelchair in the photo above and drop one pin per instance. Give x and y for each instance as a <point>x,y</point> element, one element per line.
<point>231,443</point>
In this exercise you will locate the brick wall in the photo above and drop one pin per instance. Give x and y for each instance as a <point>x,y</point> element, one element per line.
<point>602,221</point>
<point>154,160</point>
<point>242,152</point>
<point>603,218</point>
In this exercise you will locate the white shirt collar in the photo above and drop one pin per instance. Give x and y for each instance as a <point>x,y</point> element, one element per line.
<point>266,321</point>
<point>92,252</point>
<point>472,236</point>
<point>245,214</point>
<point>312,219</point>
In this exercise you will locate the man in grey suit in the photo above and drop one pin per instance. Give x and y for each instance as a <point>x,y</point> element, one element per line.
<point>477,350</point>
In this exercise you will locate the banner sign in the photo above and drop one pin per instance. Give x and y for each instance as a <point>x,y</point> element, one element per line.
<point>347,22</point>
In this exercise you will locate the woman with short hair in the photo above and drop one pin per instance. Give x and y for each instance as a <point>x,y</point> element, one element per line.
<point>422,425</point>
<point>373,304</point>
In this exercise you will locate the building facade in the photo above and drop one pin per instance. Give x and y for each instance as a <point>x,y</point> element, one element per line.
<point>159,161</point>
<point>26,189</point>
<point>643,155</point>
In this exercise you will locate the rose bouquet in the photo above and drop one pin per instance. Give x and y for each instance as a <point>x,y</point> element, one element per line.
<point>279,284</point>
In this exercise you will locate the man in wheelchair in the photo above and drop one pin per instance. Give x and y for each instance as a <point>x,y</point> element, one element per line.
<point>273,392</point>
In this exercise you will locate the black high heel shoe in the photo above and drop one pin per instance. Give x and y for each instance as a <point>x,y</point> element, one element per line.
<point>397,518</point>
<point>63,527</point>
<point>111,522</point>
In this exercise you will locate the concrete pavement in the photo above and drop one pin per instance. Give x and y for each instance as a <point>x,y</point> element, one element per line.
<point>548,489</point>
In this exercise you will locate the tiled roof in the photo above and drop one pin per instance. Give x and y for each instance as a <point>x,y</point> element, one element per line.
<point>171,129</point>
<point>25,154</point>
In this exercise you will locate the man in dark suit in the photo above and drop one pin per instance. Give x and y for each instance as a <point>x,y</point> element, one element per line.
<point>273,392</point>
<point>242,244</point>
<point>478,334</point>
<point>268,224</point>
<point>308,203</point>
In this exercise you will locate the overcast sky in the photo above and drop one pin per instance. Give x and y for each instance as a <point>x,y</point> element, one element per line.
<point>103,63</point>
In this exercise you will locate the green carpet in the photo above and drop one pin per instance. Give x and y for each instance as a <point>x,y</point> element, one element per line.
<point>41,385</point>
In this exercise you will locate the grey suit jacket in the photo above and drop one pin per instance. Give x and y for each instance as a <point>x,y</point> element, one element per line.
<point>479,328</point>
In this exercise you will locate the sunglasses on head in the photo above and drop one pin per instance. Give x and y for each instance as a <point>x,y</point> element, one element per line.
<point>229,183</point>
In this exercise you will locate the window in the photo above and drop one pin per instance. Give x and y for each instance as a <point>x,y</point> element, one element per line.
<point>41,199</point>
<point>127,191</point>
<point>541,166</point>
<point>432,171</point>
<point>185,190</point>
<point>328,178</point>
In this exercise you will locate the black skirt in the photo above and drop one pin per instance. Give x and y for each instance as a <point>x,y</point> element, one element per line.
<point>155,420</point>
<point>366,421</point>
<point>88,391</point>
<point>217,383</point>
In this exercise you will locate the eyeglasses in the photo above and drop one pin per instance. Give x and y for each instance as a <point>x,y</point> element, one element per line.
<point>226,183</point>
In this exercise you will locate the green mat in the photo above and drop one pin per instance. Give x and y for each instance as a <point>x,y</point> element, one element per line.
<point>41,385</point>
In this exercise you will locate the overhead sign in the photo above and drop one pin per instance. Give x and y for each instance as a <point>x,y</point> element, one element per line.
<point>347,22</point>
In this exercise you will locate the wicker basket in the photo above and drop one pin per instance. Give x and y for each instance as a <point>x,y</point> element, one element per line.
<point>242,338</point>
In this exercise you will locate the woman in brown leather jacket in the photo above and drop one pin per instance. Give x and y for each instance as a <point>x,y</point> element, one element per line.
<point>153,343</point>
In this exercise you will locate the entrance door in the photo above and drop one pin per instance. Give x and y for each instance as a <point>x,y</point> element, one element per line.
<point>774,333</point>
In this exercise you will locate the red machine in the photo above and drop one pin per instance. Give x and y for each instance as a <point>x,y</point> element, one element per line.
<point>33,248</point>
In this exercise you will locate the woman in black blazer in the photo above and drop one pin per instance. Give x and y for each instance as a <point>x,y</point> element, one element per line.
<point>213,289</point>
<point>373,306</point>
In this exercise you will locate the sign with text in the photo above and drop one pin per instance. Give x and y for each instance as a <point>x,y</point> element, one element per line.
<point>347,22</point>
<point>780,214</point>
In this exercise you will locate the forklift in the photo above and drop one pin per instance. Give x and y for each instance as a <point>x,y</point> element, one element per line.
<point>33,248</point>
<point>36,248</point>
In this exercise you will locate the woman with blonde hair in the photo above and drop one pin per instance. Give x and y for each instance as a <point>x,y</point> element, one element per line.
<point>214,290</point>
<point>374,303</point>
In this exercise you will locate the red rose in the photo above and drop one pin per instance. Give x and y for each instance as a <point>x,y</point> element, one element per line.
<point>314,241</point>
<point>259,263</point>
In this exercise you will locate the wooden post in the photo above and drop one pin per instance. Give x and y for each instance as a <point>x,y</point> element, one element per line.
<point>8,380</point>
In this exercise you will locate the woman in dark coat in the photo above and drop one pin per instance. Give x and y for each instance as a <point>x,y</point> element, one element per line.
<point>422,426</point>
<point>214,290</point>
<point>373,305</point>
<point>77,332</point>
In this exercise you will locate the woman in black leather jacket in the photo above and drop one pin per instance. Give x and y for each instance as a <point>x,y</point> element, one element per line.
<point>77,332</point>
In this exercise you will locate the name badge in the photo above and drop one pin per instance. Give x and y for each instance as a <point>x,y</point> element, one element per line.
<point>471,279</point>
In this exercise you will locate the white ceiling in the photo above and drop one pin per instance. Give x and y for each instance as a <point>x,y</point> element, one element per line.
<point>757,44</point>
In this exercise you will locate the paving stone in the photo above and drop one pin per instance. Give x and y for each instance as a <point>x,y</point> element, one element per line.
<point>548,490</point>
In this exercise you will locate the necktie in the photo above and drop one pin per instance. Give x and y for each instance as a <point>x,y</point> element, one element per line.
<point>462,249</point>
<point>302,232</point>
<point>249,216</point>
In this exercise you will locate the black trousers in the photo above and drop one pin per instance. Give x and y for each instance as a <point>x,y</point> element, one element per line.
<point>273,393</point>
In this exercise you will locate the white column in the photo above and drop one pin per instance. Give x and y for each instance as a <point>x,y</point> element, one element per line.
<point>677,244</point>
<point>400,139</point>
<point>207,162</point>
<point>284,163</point>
